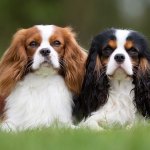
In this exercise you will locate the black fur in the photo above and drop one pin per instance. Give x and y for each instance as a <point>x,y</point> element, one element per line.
<point>142,93</point>
<point>141,79</point>
<point>95,89</point>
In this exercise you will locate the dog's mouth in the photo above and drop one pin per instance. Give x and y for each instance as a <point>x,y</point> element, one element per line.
<point>46,63</point>
<point>119,73</point>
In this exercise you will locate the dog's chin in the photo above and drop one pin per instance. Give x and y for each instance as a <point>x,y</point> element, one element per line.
<point>119,74</point>
<point>46,64</point>
<point>46,68</point>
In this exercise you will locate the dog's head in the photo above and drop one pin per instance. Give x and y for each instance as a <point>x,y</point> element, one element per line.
<point>117,49</point>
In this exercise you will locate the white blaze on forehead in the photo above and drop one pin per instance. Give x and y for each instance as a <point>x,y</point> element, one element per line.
<point>46,31</point>
<point>121,36</point>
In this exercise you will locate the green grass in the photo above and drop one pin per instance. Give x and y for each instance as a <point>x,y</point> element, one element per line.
<point>59,139</point>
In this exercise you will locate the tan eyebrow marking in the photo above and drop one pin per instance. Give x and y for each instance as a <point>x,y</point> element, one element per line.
<point>112,44</point>
<point>129,44</point>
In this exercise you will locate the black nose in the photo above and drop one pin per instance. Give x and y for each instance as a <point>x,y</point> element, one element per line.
<point>45,52</point>
<point>119,58</point>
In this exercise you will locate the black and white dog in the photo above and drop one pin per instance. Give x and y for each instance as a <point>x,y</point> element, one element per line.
<point>116,88</point>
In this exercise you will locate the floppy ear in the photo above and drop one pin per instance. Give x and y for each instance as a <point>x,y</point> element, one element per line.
<point>12,64</point>
<point>141,81</point>
<point>95,87</point>
<point>74,62</point>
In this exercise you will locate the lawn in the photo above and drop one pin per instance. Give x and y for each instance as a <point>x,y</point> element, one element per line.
<point>137,138</point>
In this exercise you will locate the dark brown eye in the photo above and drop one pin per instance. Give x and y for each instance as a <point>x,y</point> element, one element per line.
<point>107,51</point>
<point>56,43</point>
<point>133,52</point>
<point>34,44</point>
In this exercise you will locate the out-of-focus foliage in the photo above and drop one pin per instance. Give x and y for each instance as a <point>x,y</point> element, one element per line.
<point>86,17</point>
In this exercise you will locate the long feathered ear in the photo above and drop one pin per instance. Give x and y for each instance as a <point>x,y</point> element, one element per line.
<point>74,62</point>
<point>141,80</point>
<point>12,64</point>
<point>95,87</point>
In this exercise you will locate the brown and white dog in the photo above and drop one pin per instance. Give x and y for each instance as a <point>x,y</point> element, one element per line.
<point>39,74</point>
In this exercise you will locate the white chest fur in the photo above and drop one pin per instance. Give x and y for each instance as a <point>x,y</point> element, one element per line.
<point>38,100</point>
<point>119,108</point>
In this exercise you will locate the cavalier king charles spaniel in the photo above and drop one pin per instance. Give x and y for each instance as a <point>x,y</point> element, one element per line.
<point>116,88</point>
<point>39,74</point>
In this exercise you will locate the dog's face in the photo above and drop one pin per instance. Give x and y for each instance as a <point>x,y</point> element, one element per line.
<point>44,44</point>
<point>121,50</point>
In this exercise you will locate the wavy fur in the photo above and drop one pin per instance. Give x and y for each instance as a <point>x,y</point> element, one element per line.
<point>141,79</point>
<point>74,62</point>
<point>12,66</point>
<point>95,87</point>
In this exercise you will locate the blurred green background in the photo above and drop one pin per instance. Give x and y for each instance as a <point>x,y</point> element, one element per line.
<point>87,17</point>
